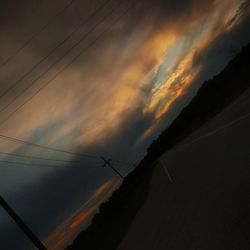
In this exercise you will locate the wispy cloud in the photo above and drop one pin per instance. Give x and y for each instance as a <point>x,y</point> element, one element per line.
<point>113,99</point>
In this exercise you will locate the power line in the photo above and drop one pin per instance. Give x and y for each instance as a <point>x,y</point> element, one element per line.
<point>16,140</point>
<point>107,163</point>
<point>3,203</point>
<point>66,66</point>
<point>84,21</point>
<point>29,164</point>
<point>40,158</point>
<point>12,139</point>
<point>37,33</point>
<point>35,157</point>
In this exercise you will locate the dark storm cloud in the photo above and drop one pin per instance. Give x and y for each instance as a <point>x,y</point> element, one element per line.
<point>21,20</point>
<point>47,201</point>
<point>60,193</point>
<point>216,56</point>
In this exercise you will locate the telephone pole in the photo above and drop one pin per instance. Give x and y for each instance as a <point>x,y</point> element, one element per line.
<point>107,163</point>
<point>21,224</point>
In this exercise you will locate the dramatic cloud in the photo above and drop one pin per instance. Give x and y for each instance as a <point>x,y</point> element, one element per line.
<point>65,232</point>
<point>135,68</point>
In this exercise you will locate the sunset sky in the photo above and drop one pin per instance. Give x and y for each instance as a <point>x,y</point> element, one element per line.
<point>104,84</point>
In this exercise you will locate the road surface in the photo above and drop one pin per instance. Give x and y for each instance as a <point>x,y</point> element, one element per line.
<point>200,190</point>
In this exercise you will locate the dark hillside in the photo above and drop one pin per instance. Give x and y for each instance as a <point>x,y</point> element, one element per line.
<point>213,96</point>
<point>111,223</point>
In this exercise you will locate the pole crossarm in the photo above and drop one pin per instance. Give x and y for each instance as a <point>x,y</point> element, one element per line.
<point>107,163</point>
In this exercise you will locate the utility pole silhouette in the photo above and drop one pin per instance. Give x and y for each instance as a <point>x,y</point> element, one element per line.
<point>26,230</point>
<point>107,163</point>
<point>21,224</point>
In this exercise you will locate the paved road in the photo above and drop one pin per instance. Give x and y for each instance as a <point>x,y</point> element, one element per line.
<point>200,190</point>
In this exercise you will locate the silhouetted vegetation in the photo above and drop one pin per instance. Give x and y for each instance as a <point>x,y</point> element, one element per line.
<point>111,223</point>
<point>212,97</point>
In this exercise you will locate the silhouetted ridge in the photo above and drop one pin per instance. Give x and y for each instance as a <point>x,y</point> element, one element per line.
<point>111,223</point>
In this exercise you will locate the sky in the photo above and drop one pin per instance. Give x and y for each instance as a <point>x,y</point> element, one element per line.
<point>102,78</point>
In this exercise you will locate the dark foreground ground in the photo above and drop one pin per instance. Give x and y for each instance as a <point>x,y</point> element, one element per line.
<point>200,191</point>
<point>198,197</point>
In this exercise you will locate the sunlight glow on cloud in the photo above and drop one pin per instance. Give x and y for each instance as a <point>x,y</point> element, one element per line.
<point>70,227</point>
<point>147,69</point>
<point>183,71</point>
<point>112,101</point>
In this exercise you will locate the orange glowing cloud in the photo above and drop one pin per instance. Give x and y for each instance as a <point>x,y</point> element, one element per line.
<point>81,217</point>
<point>65,232</point>
<point>89,100</point>
<point>165,95</point>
